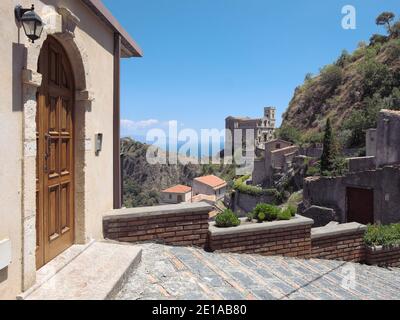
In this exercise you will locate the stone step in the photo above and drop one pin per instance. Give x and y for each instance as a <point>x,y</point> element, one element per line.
<point>95,274</point>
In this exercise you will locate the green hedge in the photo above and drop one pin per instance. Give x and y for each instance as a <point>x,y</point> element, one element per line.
<point>227,219</point>
<point>380,235</point>
<point>242,187</point>
<point>267,212</point>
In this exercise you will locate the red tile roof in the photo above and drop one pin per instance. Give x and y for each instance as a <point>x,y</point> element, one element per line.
<point>178,189</point>
<point>212,181</point>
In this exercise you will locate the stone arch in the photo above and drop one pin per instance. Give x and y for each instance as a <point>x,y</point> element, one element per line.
<point>60,26</point>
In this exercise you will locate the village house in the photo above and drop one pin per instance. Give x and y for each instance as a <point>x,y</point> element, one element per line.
<point>277,155</point>
<point>210,186</point>
<point>262,128</point>
<point>59,141</point>
<point>177,194</point>
<point>370,192</point>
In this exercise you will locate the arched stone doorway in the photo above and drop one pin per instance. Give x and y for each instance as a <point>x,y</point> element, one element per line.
<point>32,81</point>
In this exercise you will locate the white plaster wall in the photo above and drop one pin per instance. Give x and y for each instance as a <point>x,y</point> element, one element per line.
<point>174,197</point>
<point>97,42</point>
<point>10,150</point>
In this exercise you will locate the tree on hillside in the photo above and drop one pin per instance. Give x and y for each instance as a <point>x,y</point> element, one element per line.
<point>378,38</point>
<point>329,154</point>
<point>385,19</point>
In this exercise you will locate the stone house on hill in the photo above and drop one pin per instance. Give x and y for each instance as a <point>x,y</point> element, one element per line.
<point>209,186</point>
<point>278,156</point>
<point>177,194</point>
<point>60,124</point>
<point>370,192</point>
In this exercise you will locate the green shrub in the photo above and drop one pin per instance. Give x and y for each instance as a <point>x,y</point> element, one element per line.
<point>380,235</point>
<point>292,210</point>
<point>377,78</point>
<point>285,214</point>
<point>261,217</point>
<point>240,186</point>
<point>331,77</point>
<point>227,219</point>
<point>266,212</point>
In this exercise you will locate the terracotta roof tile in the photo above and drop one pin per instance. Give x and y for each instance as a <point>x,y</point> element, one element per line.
<point>178,189</point>
<point>212,181</point>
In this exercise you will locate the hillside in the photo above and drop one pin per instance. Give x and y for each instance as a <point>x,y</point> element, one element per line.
<point>350,91</point>
<point>143,182</point>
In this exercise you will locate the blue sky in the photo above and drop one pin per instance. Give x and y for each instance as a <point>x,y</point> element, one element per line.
<point>207,59</point>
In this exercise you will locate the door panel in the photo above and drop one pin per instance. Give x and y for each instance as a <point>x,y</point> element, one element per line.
<point>55,161</point>
<point>360,205</point>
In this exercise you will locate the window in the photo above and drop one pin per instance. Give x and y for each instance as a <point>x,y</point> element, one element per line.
<point>170,196</point>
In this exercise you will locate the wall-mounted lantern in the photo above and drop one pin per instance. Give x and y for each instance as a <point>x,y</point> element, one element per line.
<point>31,22</point>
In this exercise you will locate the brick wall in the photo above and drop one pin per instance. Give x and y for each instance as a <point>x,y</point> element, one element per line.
<point>383,257</point>
<point>180,225</point>
<point>342,242</point>
<point>284,238</point>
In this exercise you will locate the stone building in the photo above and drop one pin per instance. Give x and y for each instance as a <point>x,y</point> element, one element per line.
<point>370,192</point>
<point>277,158</point>
<point>177,194</point>
<point>262,130</point>
<point>210,186</point>
<point>59,133</point>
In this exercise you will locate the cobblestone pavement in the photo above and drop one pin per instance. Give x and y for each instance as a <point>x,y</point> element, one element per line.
<point>169,273</point>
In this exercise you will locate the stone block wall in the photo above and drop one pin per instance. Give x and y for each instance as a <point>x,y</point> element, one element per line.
<point>383,257</point>
<point>180,225</point>
<point>362,164</point>
<point>281,238</point>
<point>340,242</point>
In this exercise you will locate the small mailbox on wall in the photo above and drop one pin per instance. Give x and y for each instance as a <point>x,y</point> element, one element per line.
<point>98,143</point>
<point>5,253</point>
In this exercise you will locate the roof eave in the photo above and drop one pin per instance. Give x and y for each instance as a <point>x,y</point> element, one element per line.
<point>129,47</point>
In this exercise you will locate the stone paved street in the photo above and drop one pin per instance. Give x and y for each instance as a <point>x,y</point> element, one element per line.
<point>167,273</point>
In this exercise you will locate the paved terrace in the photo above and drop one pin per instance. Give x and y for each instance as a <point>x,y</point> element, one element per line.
<point>169,273</point>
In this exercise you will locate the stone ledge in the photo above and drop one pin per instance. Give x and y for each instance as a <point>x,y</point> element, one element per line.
<point>338,230</point>
<point>382,249</point>
<point>190,208</point>
<point>254,227</point>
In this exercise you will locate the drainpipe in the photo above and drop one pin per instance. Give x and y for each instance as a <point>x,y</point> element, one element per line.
<point>116,122</point>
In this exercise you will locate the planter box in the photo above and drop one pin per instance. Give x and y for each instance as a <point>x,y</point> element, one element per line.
<point>285,238</point>
<point>343,242</point>
<point>383,256</point>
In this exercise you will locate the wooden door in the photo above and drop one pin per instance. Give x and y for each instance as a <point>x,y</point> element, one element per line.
<point>360,205</point>
<point>55,157</point>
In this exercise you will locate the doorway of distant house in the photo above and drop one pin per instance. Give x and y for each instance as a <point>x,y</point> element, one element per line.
<point>360,205</point>
<point>55,155</point>
<point>180,199</point>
